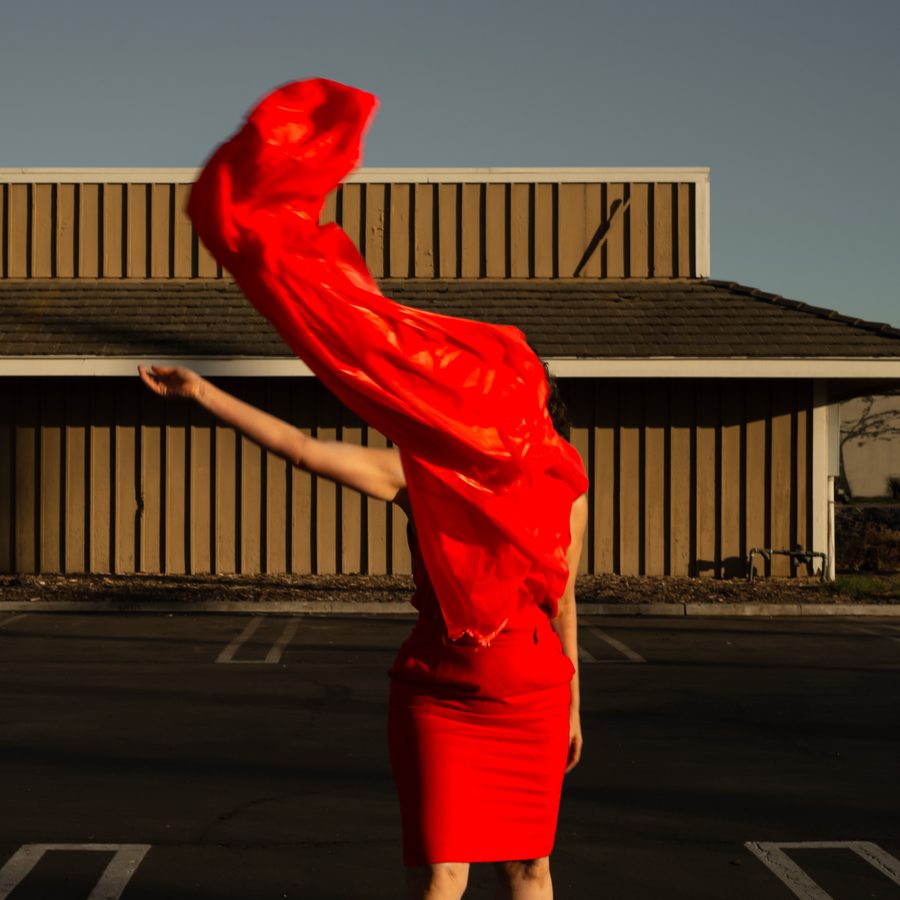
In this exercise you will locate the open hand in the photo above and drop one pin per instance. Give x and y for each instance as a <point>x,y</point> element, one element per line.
<point>171,381</point>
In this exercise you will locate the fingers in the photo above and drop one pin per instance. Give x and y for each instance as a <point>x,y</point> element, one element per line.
<point>151,381</point>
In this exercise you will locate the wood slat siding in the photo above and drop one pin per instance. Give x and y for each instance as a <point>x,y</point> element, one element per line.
<point>471,230</point>
<point>686,477</point>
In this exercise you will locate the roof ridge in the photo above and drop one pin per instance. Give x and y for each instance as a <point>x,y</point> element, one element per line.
<point>821,312</point>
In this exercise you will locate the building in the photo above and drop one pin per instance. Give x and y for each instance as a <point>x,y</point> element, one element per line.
<point>706,412</point>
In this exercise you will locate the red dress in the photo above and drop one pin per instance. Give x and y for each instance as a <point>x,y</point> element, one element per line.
<point>478,736</point>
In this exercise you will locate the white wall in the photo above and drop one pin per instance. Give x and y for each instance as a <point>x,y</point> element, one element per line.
<point>869,462</point>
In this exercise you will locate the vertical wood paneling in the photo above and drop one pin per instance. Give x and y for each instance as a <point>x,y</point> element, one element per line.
<point>127,476</point>
<point>376,518</point>
<point>401,217</point>
<point>731,553</point>
<point>780,490</point>
<point>152,418</point>
<point>663,243</point>
<point>51,428</point>
<point>251,497</point>
<point>277,402</point>
<point>471,226</point>
<point>114,230</point>
<point>376,212</point>
<point>681,418</point>
<point>26,477</point>
<point>19,234</point>
<point>101,479</point>
<point>639,231</point>
<point>655,404</point>
<point>803,537</point>
<point>176,509</point>
<point>544,232</point>
<point>90,232</point>
<point>76,478</point>
<point>520,230</point>
<point>401,558</point>
<point>329,209</point>
<point>42,230</point>
<point>202,471</point>
<point>755,484</point>
<point>603,476</point>
<point>572,227</point>
<point>478,229</point>
<point>448,259</point>
<point>138,256</point>
<point>707,421</point>
<point>73,468</point>
<point>206,262</point>
<point>593,221</point>
<point>326,491</point>
<point>226,494</point>
<point>351,501</point>
<point>4,192</point>
<point>684,234</point>
<point>351,215</point>
<point>579,396</point>
<point>629,478</point>
<point>613,248</point>
<point>495,231</point>
<point>66,216</point>
<point>302,415</point>
<point>183,235</point>
<point>425,237</point>
<point>161,227</point>
<point>7,437</point>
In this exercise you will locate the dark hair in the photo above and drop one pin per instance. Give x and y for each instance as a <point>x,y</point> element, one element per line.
<point>555,406</point>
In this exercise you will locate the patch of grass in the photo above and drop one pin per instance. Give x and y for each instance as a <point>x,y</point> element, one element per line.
<point>861,586</point>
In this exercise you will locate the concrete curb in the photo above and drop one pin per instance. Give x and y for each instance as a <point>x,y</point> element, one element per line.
<point>394,608</point>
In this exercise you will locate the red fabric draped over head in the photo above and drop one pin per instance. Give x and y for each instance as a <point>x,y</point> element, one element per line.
<point>490,482</point>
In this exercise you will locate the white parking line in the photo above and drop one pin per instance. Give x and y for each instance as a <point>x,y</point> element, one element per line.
<point>624,649</point>
<point>12,619</point>
<point>275,652</point>
<point>883,634</point>
<point>798,882</point>
<point>111,883</point>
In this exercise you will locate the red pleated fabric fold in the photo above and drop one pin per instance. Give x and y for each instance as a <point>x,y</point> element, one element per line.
<point>490,482</point>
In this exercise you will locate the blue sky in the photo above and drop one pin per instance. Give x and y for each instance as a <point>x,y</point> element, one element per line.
<point>794,105</point>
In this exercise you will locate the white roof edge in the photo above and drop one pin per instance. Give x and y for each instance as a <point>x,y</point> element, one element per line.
<point>421,175</point>
<point>655,367</point>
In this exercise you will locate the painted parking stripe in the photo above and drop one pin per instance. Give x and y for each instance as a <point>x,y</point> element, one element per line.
<point>12,619</point>
<point>126,859</point>
<point>585,656</point>
<point>275,652</point>
<point>886,633</point>
<point>624,649</point>
<point>798,882</point>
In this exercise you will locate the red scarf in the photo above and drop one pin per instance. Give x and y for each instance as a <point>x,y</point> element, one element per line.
<point>490,482</point>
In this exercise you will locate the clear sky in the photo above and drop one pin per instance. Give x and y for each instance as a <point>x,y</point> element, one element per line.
<point>793,104</point>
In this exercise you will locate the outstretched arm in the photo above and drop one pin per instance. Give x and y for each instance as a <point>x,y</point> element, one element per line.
<point>566,625</point>
<point>374,471</point>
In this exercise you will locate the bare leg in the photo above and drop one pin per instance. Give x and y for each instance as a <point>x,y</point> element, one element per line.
<point>524,879</point>
<point>440,881</point>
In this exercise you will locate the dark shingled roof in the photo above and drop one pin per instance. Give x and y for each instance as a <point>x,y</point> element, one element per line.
<point>582,319</point>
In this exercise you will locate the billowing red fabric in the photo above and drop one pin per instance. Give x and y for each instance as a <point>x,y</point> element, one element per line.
<point>490,482</point>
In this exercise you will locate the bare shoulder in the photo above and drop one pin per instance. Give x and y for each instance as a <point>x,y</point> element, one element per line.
<point>374,471</point>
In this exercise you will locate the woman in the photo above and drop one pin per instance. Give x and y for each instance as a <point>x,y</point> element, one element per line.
<point>480,736</point>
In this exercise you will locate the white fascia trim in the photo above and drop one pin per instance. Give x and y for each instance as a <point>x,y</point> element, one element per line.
<point>565,368</point>
<point>478,175</point>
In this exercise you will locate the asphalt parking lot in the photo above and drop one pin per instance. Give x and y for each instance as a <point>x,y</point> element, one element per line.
<point>239,756</point>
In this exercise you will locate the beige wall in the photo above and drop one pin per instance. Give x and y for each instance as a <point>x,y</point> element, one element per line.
<point>98,474</point>
<point>869,463</point>
<point>427,230</point>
